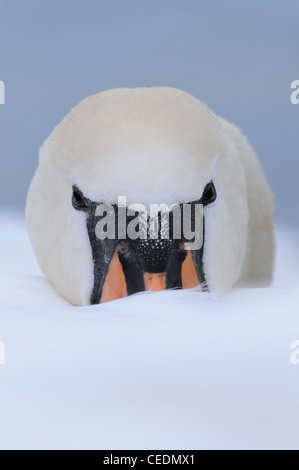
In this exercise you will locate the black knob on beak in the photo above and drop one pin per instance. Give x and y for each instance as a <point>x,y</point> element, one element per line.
<point>153,254</point>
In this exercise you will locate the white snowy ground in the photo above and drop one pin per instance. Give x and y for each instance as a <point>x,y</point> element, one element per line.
<point>171,370</point>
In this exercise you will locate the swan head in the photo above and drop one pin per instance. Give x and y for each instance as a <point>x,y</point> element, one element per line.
<point>123,149</point>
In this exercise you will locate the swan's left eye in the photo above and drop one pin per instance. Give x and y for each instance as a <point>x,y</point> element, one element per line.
<point>209,194</point>
<point>78,200</point>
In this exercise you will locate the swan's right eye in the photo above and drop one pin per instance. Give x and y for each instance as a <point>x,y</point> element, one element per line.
<point>78,200</point>
<point>209,194</point>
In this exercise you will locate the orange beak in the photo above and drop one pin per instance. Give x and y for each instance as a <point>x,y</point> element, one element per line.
<point>115,282</point>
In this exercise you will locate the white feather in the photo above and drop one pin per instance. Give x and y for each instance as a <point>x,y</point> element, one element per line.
<point>153,145</point>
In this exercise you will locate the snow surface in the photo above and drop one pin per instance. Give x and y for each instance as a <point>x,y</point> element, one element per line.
<point>170,370</point>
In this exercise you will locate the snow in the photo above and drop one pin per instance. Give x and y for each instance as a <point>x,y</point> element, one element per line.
<point>170,370</point>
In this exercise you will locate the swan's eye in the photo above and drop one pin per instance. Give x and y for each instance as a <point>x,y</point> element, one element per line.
<point>78,200</point>
<point>209,195</point>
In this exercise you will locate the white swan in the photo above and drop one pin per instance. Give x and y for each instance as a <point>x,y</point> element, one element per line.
<point>151,145</point>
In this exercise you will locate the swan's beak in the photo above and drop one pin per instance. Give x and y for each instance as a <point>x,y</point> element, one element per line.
<point>128,266</point>
<point>128,274</point>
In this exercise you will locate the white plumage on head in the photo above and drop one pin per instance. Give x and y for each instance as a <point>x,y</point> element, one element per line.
<point>152,145</point>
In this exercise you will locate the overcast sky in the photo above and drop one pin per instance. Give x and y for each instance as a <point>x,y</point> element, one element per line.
<point>239,57</point>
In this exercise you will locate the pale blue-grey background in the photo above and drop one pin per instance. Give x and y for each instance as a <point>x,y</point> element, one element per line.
<point>237,56</point>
